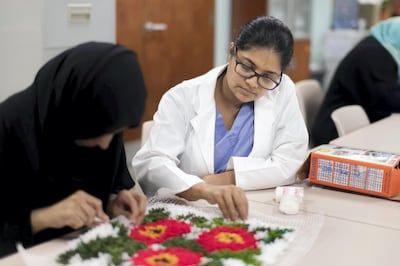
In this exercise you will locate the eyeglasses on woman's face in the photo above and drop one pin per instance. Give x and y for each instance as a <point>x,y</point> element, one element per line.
<point>267,82</point>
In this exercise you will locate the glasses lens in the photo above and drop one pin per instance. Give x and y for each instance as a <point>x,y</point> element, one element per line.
<point>244,71</point>
<point>267,83</point>
<point>263,81</point>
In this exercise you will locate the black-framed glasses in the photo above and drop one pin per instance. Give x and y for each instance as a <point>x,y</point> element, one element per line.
<point>265,82</point>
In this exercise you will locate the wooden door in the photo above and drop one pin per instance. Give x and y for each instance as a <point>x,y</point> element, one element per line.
<point>298,68</point>
<point>245,10</point>
<point>173,39</point>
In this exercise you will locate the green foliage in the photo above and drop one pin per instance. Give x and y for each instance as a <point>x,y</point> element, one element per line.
<point>274,234</point>
<point>218,221</point>
<point>110,245</point>
<point>186,243</point>
<point>123,243</point>
<point>115,246</point>
<point>247,256</point>
<point>202,222</point>
<point>199,221</point>
<point>155,215</point>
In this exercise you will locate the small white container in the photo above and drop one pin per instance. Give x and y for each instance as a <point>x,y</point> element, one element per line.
<point>289,198</point>
<point>289,204</point>
<point>298,192</point>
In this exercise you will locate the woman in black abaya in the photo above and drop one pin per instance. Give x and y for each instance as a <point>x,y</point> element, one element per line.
<point>62,158</point>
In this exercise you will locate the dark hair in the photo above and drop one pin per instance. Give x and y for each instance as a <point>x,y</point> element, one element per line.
<point>268,32</point>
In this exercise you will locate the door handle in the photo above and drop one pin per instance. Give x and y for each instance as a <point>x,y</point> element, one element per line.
<point>152,26</point>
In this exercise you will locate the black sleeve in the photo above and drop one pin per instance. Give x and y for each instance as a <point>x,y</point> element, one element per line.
<point>15,225</point>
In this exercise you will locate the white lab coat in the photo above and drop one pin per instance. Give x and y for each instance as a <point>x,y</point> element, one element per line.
<point>180,148</point>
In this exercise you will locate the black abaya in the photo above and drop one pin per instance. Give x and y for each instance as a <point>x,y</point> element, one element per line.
<point>87,91</point>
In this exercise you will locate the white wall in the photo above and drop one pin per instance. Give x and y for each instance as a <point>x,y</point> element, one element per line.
<point>34,31</point>
<point>20,45</point>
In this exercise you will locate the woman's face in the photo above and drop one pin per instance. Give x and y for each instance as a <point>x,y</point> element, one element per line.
<point>262,61</point>
<point>103,142</point>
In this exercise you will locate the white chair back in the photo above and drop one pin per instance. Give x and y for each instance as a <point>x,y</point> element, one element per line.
<point>310,95</point>
<point>349,118</point>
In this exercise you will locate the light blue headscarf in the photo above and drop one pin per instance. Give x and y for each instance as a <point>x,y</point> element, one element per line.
<point>387,32</point>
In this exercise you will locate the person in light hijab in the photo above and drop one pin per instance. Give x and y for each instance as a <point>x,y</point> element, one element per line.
<point>62,157</point>
<point>369,75</point>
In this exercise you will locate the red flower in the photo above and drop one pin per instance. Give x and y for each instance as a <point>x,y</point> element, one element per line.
<point>175,256</point>
<point>159,231</point>
<point>225,237</point>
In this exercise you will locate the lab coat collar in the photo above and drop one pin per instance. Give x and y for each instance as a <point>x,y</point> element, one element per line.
<point>204,122</point>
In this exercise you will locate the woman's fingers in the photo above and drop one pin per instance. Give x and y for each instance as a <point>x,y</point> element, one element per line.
<point>131,204</point>
<point>81,209</point>
<point>242,204</point>
<point>231,200</point>
<point>90,204</point>
<point>141,200</point>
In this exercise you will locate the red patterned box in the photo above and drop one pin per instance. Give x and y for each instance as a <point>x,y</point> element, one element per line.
<point>365,171</point>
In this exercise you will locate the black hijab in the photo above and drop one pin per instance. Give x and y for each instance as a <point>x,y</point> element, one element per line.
<point>87,91</point>
<point>95,87</point>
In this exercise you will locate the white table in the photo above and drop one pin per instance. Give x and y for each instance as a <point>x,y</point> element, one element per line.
<point>339,204</point>
<point>357,229</point>
<point>382,135</point>
<point>346,242</point>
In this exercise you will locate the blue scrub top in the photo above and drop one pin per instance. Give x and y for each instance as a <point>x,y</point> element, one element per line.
<point>238,141</point>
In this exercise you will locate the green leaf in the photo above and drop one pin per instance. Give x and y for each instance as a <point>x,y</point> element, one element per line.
<point>155,215</point>
<point>185,243</point>
<point>247,256</point>
<point>115,246</point>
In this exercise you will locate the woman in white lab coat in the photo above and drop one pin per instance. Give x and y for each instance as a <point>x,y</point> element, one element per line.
<point>237,127</point>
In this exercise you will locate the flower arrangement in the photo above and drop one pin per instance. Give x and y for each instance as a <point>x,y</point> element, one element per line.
<point>174,235</point>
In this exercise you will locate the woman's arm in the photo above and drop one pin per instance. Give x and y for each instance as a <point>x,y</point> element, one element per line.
<point>225,178</point>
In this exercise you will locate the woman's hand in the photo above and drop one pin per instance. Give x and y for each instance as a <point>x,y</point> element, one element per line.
<point>231,200</point>
<point>77,210</point>
<point>130,203</point>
